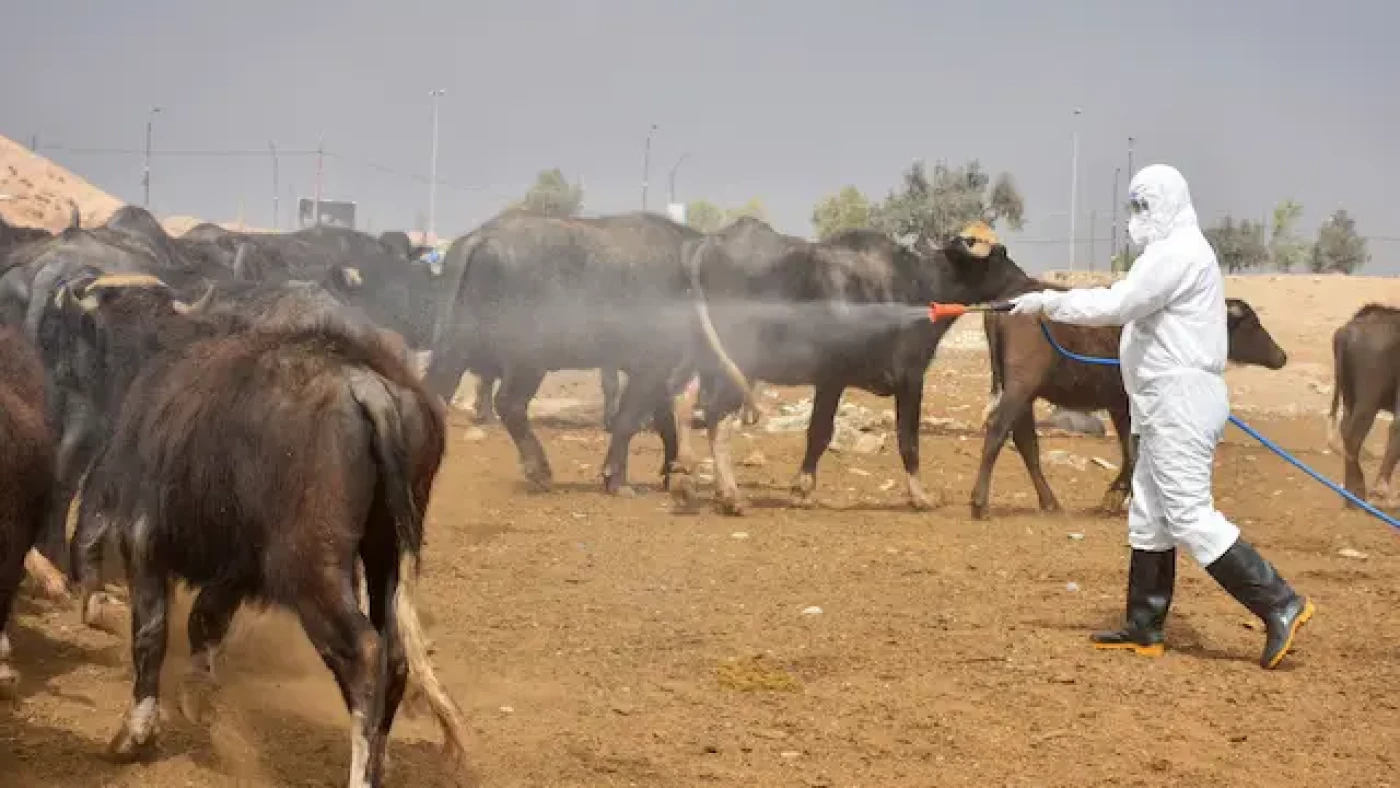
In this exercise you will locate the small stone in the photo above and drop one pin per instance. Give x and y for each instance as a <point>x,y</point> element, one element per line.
<point>1078,537</point>
<point>1347,552</point>
<point>887,485</point>
<point>507,709</point>
<point>812,611</point>
<point>739,535</point>
<point>474,435</point>
<point>1072,587</point>
<point>1105,464</point>
<point>790,754</point>
<point>754,460</point>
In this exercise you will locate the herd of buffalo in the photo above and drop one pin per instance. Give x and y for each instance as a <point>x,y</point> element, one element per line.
<point>244,411</point>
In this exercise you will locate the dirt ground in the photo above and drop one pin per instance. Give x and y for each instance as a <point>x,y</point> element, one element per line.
<point>596,641</point>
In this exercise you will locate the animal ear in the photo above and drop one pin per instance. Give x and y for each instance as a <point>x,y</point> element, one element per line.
<point>349,277</point>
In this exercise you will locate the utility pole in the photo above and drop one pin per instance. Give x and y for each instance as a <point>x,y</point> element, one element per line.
<point>146,175</point>
<point>316,207</point>
<point>272,146</point>
<point>1074,186</point>
<point>1113,234</point>
<point>1127,239</point>
<point>646,165</point>
<point>677,166</point>
<point>1093,241</point>
<point>432,177</point>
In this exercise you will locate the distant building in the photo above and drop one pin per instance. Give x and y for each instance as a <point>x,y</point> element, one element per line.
<point>336,213</point>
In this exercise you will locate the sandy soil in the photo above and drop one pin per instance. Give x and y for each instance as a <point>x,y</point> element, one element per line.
<point>609,642</point>
<point>36,191</point>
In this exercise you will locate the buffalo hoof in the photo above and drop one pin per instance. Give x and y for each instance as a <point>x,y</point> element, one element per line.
<point>9,682</point>
<point>803,499</point>
<point>197,698</point>
<point>1113,501</point>
<point>922,503</point>
<point>730,505</point>
<point>126,748</point>
<point>540,478</point>
<point>979,511</point>
<point>683,492</point>
<point>136,740</point>
<point>104,612</point>
<point>623,491</point>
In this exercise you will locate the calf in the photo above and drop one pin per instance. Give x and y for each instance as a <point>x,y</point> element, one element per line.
<point>257,464</point>
<point>1365,381</point>
<point>1025,368</point>
<point>26,473</point>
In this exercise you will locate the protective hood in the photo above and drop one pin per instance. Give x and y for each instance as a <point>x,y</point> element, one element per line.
<point>1160,204</point>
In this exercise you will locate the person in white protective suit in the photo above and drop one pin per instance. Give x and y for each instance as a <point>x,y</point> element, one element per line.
<point>1173,350</point>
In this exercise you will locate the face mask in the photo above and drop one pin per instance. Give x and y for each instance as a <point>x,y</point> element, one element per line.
<point>1138,229</point>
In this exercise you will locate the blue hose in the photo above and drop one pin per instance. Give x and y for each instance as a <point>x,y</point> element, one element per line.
<point>1253,433</point>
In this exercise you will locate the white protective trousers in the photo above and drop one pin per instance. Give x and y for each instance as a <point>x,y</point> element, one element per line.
<point>1183,416</point>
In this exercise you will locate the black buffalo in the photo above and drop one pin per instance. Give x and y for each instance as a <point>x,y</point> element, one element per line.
<point>848,312</point>
<point>532,293</point>
<point>258,465</point>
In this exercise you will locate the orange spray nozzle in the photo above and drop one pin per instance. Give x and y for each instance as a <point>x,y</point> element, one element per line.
<point>938,311</point>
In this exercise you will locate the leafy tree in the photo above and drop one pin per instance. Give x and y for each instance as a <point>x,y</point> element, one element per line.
<point>753,208</point>
<point>848,209</point>
<point>1285,247</point>
<point>1238,246</point>
<point>933,207</point>
<point>704,216</point>
<point>1339,248</point>
<point>553,195</point>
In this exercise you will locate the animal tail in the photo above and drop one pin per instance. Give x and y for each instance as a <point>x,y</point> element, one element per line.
<point>1339,378</point>
<point>990,324</point>
<point>702,311</point>
<point>394,439</point>
<point>447,359</point>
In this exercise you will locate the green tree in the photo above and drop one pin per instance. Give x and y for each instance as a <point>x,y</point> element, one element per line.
<point>848,209</point>
<point>704,216</point>
<point>1287,250</point>
<point>1339,248</point>
<point>753,208</point>
<point>1239,246</point>
<point>553,195</point>
<point>935,206</point>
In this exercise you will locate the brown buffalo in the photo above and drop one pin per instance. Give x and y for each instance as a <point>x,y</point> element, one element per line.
<point>1026,368</point>
<point>26,472</point>
<point>1366,381</point>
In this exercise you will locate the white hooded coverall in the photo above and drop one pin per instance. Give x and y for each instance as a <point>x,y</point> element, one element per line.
<point>1173,352</point>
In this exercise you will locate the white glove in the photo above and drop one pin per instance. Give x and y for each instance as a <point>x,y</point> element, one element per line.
<point>1029,304</point>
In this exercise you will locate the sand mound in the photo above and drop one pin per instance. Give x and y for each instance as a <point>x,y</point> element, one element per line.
<point>37,191</point>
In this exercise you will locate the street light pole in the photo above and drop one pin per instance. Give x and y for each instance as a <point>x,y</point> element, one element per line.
<point>1074,187</point>
<point>146,175</point>
<point>675,167</point>
<point>432,177</point>
<point>646,165</point>
<point>272,146</point>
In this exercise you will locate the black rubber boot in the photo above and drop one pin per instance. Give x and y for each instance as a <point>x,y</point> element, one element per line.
<point>1254,583</point>
<point>1151,580</point>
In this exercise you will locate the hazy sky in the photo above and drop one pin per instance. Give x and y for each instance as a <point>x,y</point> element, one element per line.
<point>786,100</point>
